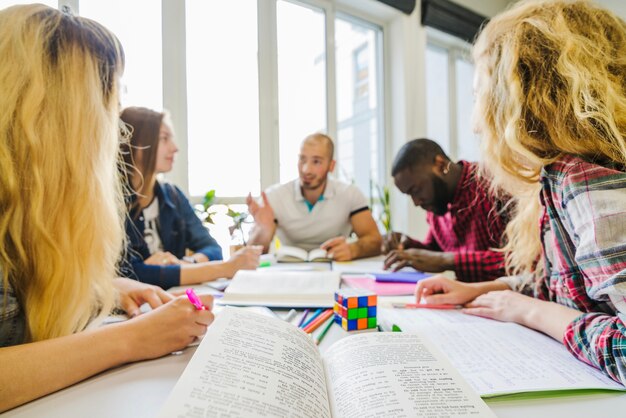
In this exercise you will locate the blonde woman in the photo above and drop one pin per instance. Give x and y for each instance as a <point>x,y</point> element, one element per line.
<point>551,109</point>
<point>161,224</point>
<point>58,253</point>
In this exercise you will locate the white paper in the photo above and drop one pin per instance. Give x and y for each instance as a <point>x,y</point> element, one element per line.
<point>282,288</point>
<point>290,254</point>
<point>399,375</point>
<point>499,357</point>
<point>250,365</point>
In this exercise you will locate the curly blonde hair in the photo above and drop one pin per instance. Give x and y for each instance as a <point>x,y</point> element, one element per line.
<point>61,203</point>
<point>551,80</point>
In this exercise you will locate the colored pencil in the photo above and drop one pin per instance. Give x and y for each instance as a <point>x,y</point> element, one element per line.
<point>312,317</point>
<point>318,321</point>
<point>306,312</point>
<point>324,331</point>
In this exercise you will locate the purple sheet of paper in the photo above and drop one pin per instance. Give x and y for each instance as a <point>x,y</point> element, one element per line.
<point>401,277</point>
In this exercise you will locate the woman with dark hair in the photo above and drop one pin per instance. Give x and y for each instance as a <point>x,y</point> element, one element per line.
<point>162,225</point>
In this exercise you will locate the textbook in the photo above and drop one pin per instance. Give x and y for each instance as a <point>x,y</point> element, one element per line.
<point>249,365</point>
<point>282,289</point>
<point>502,358</point>
<point>288,254</point>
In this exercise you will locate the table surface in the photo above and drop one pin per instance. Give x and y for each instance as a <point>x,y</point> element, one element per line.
<point>140,389</point>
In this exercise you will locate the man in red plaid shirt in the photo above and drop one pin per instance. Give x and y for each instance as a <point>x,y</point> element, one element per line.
<point>466,222</point>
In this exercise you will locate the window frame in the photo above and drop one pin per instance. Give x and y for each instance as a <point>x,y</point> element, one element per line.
<point>456,49</point>
<point>175,82</point>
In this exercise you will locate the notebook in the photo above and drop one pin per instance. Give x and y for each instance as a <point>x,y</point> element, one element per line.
<point>282,289</point>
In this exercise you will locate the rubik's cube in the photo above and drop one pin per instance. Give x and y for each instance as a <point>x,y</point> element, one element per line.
<point>355,309</point>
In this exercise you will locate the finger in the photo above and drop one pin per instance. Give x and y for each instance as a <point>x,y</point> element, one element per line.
<point>328,244</point>
<point>341,255</point>
<point>422,290</point>
<point>391,258</point>
<point>257,249</point>
<point>131,307</point>
<point>440,298</point>
<point>484,312</point>
<point>400,265</point>
<point>207,300</point>
<point>249,198</point>
<point>176,293</point>
<point>419,290</point>
<point>164,296</point>
<point>152,298</point>
<point>266,202</point>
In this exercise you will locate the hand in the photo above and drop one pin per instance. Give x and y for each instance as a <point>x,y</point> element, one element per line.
<point>133,294</point>
<point>246,258</point>
<point>423,260</point>
<point>162,258</point>
<point>168,328</point>
<point>263,215</point>
<point>503,305</point>
<point>338,249</point>
<point>392,241</point>
<point>440,290</point>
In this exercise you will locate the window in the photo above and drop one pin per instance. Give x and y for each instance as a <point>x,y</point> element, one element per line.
<point>449,75</point>
<point>468,142</point>
<point>137,24</point>
<point>222,97</point>
<point>359,111</point>
<point>437,97</point>
<point>301,80</point>
<point>6,3</point>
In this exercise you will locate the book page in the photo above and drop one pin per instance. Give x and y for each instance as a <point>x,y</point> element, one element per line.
<point>399,375</point>
<point>287,253</point>
<point>317,254</point>
<point>250,365</point>
<point>499,357</point>
<point>282,288</point>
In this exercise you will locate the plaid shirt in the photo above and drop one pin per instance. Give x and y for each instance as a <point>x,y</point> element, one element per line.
<point>471,229</point>
<point>584,241</point>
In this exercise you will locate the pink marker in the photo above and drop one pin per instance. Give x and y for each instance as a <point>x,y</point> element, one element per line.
<point>195,300</point>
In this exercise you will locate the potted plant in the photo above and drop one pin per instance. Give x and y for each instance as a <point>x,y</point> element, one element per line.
<point>238,238</point>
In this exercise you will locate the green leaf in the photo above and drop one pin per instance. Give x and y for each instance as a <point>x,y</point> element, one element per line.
<point>209,199</point>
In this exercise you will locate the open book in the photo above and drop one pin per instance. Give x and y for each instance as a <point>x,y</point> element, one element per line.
<point>288,254</point>
<point>249,365</point>
<point>501,358</point>
<point>287,289</point>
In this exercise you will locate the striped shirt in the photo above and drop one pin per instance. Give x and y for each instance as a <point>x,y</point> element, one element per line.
<point>471,229</point>
<point>584,243</point>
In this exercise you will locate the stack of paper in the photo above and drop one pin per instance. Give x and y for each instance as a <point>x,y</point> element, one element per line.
<point>293,289</point>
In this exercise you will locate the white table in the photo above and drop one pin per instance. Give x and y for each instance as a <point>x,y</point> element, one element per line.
<point>140,389</point>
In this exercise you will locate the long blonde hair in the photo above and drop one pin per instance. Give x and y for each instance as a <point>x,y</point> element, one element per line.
<point>551,81</point>
<point>61,206</point>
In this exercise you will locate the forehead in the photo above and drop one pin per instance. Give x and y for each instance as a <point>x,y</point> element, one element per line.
<point>407,178</point>
<point>165,129</point>
<point>312,149</point>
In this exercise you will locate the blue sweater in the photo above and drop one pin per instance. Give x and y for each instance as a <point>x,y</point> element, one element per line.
<point>179,229</point>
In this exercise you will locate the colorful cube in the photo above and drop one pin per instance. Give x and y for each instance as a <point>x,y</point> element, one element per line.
<point>355,309</point>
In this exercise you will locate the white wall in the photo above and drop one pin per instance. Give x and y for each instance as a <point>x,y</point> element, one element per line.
<point>487,8</point>
<point>617,6</point>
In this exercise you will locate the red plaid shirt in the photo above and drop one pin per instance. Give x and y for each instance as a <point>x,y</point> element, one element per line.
<point>472,228</point>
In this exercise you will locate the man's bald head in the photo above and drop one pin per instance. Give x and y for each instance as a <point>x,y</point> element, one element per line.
<point>321,139</point>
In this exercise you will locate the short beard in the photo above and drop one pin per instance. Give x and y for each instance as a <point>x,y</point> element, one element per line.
<point>321,183</point>
<point>441,196</point>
